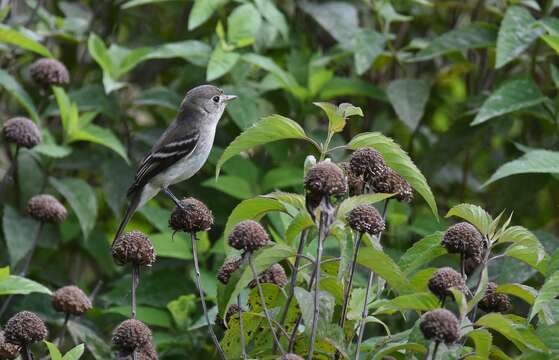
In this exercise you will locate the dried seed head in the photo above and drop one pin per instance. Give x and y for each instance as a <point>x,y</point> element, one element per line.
<point>195,217</point>
<point>46,208</point>
<point>444,279</point>
<point>71,300</point>
<point>365,219</point>
<point>275,274</point>
<point>133,247</point>
<point>230,265</point>
<point>233,309</point>
<point>355,183</point>
<point>367,162</point>
<point>22,132</point>
<point>440,325</point>
<point>472,263</point>
<point>325,179</point>
<point>46,72</point>
<point>131,335</point>
<point>25,328</point>
<point>248,235</point>
<point>463,238</point>
<point>290,356</point>
<point>8,350</point>
<point>146,352</point>
<point>392,183</point>
<point>494,301</point>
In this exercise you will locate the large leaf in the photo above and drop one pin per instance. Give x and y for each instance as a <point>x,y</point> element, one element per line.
<point>473,214</point>
<point>482,340</point>
<point>54,353</point>
<point>521,336</point>
<point>337,17</point>
<point>269,129</point>
<point>518,30</point>
<point>524,292</point>
<point>81,198</point>
<point>408,98</point>
<point>398,160</point>
<point>21,39</point>
<point>243,24</point>
<point>535,161</point>
<point>19,233</point>
<point>326,303</point>
<point>13,87</point>
<point>202,11</point>
<point>75,353</point>
<point>512,96</point>
<point>424,301</point>
<point>548,292</point>
<point>368,45</point>
<point>421,253</point>
<point>13,284</point>
<point>221,62</point>
<point>385,267</point>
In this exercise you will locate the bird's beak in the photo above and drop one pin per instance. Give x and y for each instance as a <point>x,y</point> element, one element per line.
<point>227,98</point>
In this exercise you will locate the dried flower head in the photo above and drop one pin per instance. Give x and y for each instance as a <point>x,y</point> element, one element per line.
<point>230,265</point>
<point>233,309</point>
<point>22,132</point>
<point>325,179</point>
<point>472,263</point>
<point>275,274</point>
<point>365,219</point>
<point>146,352</point>
<point>248,235</point>
<point>8,350</point>
<point>71,300</point>
<point>131,335</point>
<point>392,183</point>
<point>367,162</point>
<point>25,328</point>
<point>440,325</point>
<point>444,279</point>
<point>46,72</point>
<point>46,208</point>
<point>194,216</point>
<point>463,238</point>
<point>290,356</point>
<point>133,247</point>
<point>494,301</point>
<point>355,183</point>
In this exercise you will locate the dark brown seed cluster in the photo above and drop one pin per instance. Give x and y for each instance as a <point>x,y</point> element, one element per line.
<point>464,238</point>
<point>325,179</point>
<point>355,183</point>
<point>392,183</point>
<point>133,247</point>
<point>131,335</point>
<point>46,72</point>
<point>440,325</point>
<point>275,274</point>
<point>229,266</point>
<point>146,352</point>
<point>194,216</point>
<point>25,328</point>
<point>8,350</point>
<point>366,219</point>
<point>368,163</point>
<point>290,356</point>
<point>494,301</point>
<point>233,309</point>
<point>71,300</point>
<point>22,132</point>
<point>444,279</point>
<point>46,208</point>
<point>248,235</point>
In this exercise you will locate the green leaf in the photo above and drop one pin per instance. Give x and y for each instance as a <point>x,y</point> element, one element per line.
<point>269,129</point>
<point>282,177</point>
<point>232,185</point>
<point>418,301</point>
<point>473,214</point>
<point>202,10</point>
<point>522,337</point>
<point>271,13</point>
<point>11,85</point>
<point>75,353</point>
<point>518,30</point>
<point>421,253</point>
<point>482,340</point>
<point>149,315</point>
<point>286,79</point>
<point>368,45</point>
<point>326,303</point>
<point>14,284</point>
<point>21,39</point>
<point>101,136</point>
<point>301,222</point>
<point>512,96</point>
<point>339,87</point>
<point>548,292</point>
<point>536,161</point>
<point>221,62</point>
<point>243,24</point>
<point>338,18</point>
<point>252,209</point>
<point>351,202</point>
<point>53,351</point>
<point>134,3</point>
<point>393,348</point>
<point>524,292</point>
<point>377,261</point>
<point>100,54</point>
<point>68,111</point>
<point>484,279</point>
<point>53,150</point>
<point>81,198</point>
<point>552,41</point>
<point>19,233</point>
<point>549,335</point>
<point>408,98</point>
<point>337,115</point>
<point>399,161</point>
<point>172,246</point>
<point>472,36</point>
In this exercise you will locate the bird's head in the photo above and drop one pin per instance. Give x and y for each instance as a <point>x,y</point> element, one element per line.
<point>207,99</point>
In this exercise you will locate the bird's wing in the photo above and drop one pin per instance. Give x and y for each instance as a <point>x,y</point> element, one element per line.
<point>174,144</point>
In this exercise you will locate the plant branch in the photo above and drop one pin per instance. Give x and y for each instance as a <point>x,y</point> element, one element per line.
<point>349,284</point>
<point>135,282</point>
<point>241,329</point>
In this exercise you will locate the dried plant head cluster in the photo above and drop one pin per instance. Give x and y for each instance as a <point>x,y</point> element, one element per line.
<point>325,179</point>
<point>131,335</point>
<point>46,72</point>
<point>464,238</point>
<point>366,219</point>
<point>191,217</point>
<point>47,209</point>
<point>493,301</point>
<point>133,247</point>
<point>22,131</point>
<point>25,328</point>
<point>440,325</point>
<point>71,300</point>
<point>368,163</point>
<point>248,235</point>
<point>392,183</point>
<point>443,280</point>
<point>230,265</point>
<point>275,274</point>
<point>8,350</point>
<point>355,183</point>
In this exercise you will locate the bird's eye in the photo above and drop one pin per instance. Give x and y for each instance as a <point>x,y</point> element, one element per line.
<point>215,99</point>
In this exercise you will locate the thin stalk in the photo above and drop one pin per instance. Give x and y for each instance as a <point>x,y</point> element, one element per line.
<point>434,354</point>
<point>16,177</point>
<point>241,329</point>
<point>25,353</point>
<point>62,334</point>
<point>349,285</point>
<point>264,307</point>
<point>364,314</point>
<point>201,291</point>
<point>135,282</point>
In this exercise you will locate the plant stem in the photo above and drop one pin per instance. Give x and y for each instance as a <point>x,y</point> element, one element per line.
<point>264,307</point>
<point>349,284</point>
<point>135,282</point>
<point>25,353</point>
<point>435,349</point>
<point>201,291</point>
<point>241,329</point>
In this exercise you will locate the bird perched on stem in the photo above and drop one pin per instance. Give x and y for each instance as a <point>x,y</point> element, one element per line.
<point>180,151</point>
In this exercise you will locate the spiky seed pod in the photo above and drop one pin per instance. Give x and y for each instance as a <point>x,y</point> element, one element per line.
<point>25,328</point>
<point>367,162</point>
<point>290,356</point>
<point>46,208</point>
<point>8,350</point>
<point>46,72</point>
<point>494,301</point>
<point>463,238</point>
<point>133,247</point>
<point>230,265</point>
<point>22,132</point>
<point>392,183</point>
<point>440,325</point>
<point>130,335</point>
<point>365,219</point>
<point>444,279</point>
<point>248,235</point>
<point>355,183</point>
<point>275,274</point>
<point>233,309</point>
<point>194,216</point>
<point>325,179</point>
<point>71,300</point>
<point>146,352</point>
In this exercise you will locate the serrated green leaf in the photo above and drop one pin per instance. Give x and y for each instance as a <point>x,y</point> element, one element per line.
<point>524,292</point>
<point>408,98</point>
<point>19,38</point>
<point>421,253</point>
<point>385,267</point>
<point>11,85</point>
<point>548,292</point>
<point>473,214</point>
<point>337,115</point>
<point>536,161</point>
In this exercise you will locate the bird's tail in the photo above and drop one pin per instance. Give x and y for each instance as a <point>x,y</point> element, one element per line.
<point>132,206</point>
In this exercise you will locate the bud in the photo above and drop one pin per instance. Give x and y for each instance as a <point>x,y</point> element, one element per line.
<point>22,132</point>
<point>248,235</point>
<point>71,300</point>
<point>46,72</point>
<point>440,325</point>
<point>195,217</point>
<point>131,335</point>
<point>133,247</point>
<point>366,219</point>
<point>25,328</point>
<point>494,301</point>
<point>444,279</point>
<point>46,208</point>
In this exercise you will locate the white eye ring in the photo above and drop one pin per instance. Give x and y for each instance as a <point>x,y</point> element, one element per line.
<point>215,99</point>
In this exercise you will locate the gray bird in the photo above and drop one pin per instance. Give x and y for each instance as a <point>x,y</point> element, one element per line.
<point>182,149</point>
